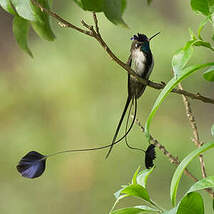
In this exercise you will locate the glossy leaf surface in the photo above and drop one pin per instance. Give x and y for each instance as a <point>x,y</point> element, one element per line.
<point>135,210</point>
<point>169,86</point>
<point>209,74</point>
<point>207,182</point>
<point>180,169</point>
<point>20,31</point>
<point>192,203</point>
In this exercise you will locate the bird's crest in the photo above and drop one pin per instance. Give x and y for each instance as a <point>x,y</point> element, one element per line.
<point>140,37</point>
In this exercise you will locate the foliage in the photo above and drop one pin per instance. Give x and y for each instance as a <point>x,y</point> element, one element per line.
<point>191,202</point>
<point>183,56</point>
<point>26,14</point>
<point>212,130</point>
<point>180,169</point>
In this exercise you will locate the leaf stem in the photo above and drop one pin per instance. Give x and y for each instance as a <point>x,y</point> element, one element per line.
<point>157,206</point>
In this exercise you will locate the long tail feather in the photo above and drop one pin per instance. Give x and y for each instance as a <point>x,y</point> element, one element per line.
<point>127,122</point>
<point>119,125</point>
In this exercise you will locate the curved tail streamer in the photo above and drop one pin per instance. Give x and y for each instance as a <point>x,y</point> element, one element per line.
<point>120,122</point>
<point>129,98</point>
<point>126,138</point>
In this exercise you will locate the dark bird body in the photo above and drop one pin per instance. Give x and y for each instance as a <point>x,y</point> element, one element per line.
<point>141,61</point>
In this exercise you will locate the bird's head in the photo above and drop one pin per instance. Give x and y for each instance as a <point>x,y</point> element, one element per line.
<point>141,41</point>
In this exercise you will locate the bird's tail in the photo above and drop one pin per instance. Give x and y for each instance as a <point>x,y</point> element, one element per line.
<point>127,122</point>
<point>119,125</point>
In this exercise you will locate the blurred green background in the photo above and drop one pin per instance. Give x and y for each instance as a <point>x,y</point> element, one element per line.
<point>71,95</point>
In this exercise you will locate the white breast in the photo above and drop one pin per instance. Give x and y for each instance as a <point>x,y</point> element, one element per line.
<point>138,61</point>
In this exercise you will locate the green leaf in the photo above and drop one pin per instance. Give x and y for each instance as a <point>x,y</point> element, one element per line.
<point>130,210</point>
<point>123,5</point>
<point>143,176</point>
<point>41,25</point>
<point>137,191</point>
<point>131,190</point>
<point>135,210</point>
<point>201,26</point>
<point>181,58</point>
<point>113,11</point>
<point>209,74</point>
<point>24,9</point>
<point>200,6</point>
<point>212,130</point>
<point>170,85</point>
<point>192,203</point>
<point>79,3</point>
<point>92,5</point>
<point>213,37</point>
<point>203,44</point>
<point>172,211</point>
<point>20,31</point>
<point>180,169</point>
<point>134,178</point>
<point>118,196</point>
<point>117,200</point>
<point>6,5</point>
<point>213,203</point>
<point>211,6</point>
<point>192,35</point>
<point>147,208</point>
<point>149,2</point>
<point>207,182</point>
<point>27,10</point>
<point>118,193</point>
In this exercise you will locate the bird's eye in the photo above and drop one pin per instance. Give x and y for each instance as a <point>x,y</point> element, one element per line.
<point>136,45</point>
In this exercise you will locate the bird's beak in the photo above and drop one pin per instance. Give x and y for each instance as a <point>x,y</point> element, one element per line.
<point>153,36</point>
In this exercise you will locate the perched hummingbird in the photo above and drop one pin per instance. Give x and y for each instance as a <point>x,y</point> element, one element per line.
<point>142,61</point>
<point>33,164</point>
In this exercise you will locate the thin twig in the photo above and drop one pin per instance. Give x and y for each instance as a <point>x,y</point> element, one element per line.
<point>193,124</point>
<point>96,23</point>
<point>171,158</point>
<point>96,34</point>
<point>196,96</point>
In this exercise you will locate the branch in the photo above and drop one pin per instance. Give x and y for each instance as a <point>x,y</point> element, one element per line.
<point>193,124</point>
<point>96,23</point>
<point>96,34</point>
<point>62,22</point>
<point>172,159</point>
<point>196,96</point>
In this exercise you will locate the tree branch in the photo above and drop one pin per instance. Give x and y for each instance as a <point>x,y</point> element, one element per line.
<point>96,23</point>
<point>96,34</point>
<point>193,124</point>
<point>171,158</point>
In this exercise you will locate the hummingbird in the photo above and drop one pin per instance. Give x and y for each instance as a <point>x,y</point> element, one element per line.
<point>141,60</point>
<point>33,164</point>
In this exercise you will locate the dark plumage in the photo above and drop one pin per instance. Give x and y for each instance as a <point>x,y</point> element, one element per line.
<point>32,165</point>
<point>141,61</point>
<point>150,156</point>
<point>140,37</point>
